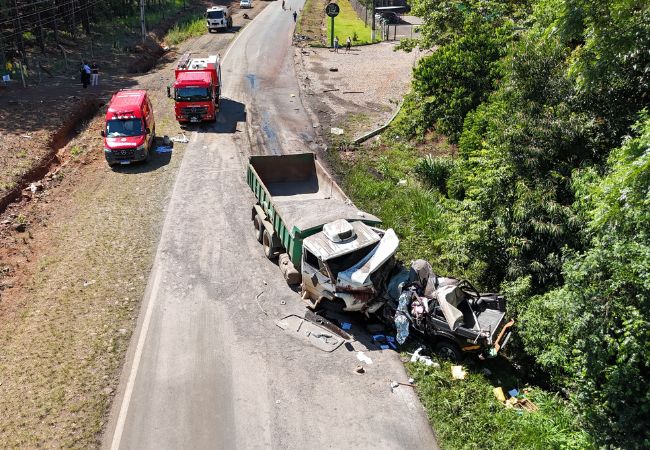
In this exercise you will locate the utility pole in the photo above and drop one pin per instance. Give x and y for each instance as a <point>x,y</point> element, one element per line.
<point>142,24</point>
<point>372,32</point>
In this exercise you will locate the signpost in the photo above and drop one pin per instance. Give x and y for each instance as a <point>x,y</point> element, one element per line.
<point>332,10</point>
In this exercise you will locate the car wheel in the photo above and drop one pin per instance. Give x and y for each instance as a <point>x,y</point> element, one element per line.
<point>449,350</point>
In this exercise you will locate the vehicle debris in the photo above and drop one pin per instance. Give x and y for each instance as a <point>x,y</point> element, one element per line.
<point>363,358</point>
<point>182,139</point>
<point>336,131</point>
<point>306,331</point>
<point>458,373</point>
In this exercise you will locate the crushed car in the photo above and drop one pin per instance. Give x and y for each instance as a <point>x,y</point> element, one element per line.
<point>448,313</point>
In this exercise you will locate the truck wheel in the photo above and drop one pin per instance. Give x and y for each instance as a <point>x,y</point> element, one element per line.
<point>449,350</point>
<point>259,228</point>
<point>269,251</point>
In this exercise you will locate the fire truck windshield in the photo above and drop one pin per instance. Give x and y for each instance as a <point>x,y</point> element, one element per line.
<point>123,127</point>
<point>189,94</point>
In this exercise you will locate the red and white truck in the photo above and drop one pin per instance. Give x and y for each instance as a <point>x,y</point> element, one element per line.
<point>197,88</point>
<point>130,127</point>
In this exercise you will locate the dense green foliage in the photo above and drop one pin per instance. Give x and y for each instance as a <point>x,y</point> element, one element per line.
<point>466,415</point>
<point>549,197</point>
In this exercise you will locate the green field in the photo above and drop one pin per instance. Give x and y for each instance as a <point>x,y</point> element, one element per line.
<point>347,23</point>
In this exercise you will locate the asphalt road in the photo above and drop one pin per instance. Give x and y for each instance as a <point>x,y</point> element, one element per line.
<point>208,367</point>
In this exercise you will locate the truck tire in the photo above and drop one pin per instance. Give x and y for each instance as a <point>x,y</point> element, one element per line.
<point>259,228</point>
<point>449,350</point>
<point>267,242</point>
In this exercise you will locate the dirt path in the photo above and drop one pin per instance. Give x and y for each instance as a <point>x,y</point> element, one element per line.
<point>74,260</point>
<point>355,91</point>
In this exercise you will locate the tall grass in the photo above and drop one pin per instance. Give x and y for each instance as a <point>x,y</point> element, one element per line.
<point>185,30</point>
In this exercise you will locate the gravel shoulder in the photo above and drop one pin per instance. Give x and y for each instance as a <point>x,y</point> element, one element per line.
<point>73,276</point>
<point>362,92</point>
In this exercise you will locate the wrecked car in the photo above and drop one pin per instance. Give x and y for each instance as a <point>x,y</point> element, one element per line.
<point>448,312</point>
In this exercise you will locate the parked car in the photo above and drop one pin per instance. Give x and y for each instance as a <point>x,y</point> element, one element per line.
<point>387,17</point>
<point>246,4</point>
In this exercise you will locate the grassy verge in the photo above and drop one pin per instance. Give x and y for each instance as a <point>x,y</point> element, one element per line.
<point>314,23</point>
<point>347,23</point>
<point>464,413</point>
<point>185,30</point>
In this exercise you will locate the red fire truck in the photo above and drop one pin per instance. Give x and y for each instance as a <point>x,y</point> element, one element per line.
<point>197,88</point>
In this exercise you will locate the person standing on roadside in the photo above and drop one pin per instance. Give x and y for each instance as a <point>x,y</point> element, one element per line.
<point>348,44</point>
<point>295,16</point>
<point>94,74</point>
<point>282,5</point>
<point>85,74</point>
<point>336,44</point>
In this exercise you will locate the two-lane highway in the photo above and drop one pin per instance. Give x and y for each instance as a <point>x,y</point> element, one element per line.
<point>207,366</point>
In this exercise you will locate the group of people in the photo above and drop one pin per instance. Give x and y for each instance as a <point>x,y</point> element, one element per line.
<point>89,74</point>
<point>348,44</point>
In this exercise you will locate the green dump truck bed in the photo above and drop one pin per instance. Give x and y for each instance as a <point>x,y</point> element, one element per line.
<point>298,197</point>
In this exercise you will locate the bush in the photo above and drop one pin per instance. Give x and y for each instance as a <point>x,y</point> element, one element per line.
<point>435,171</point>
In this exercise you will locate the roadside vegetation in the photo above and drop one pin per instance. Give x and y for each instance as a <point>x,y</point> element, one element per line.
<point>347,23</point>
<point>316,25</point>
<point>190,28</point>
<point>540,191</point>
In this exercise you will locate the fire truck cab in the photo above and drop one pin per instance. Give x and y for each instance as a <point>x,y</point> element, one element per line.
<point>197,88</point>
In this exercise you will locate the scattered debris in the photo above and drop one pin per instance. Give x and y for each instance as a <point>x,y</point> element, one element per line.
<point>336,131</point>
<point>20,227</point>
<point>329,90</point>
<point>352,92</point>
<point>182,139</point>
<point>334,69</point>
<point>316,335</point>
<point>384,342</point>
<point>322,321</point>
<point>346,326</point>
<point>458,373</point>
<point>363,358</point>
<point>426,360</point>
<point>498,393</point>
<point>360,370</point>
<point>257,299</point>
<point>88,283</point>
<point>402,183</point>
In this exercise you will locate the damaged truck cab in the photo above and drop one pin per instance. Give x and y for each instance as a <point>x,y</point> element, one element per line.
<point>322,240</point>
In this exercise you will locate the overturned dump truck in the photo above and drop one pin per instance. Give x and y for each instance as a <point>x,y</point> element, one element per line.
<point>333,249</point>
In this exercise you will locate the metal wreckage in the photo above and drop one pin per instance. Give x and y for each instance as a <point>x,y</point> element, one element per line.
<point>337,254</point>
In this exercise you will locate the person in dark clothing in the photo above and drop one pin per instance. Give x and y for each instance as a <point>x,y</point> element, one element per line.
<point>85,74</point>
<point>295,16</point>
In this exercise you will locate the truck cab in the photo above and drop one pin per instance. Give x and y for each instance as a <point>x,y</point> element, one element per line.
<point>348,262</point>
<point>197,89</point>
<point>130,127</point>
<point>218,18</point>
